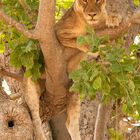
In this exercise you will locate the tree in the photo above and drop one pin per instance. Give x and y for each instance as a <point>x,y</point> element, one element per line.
<point>39,36</point>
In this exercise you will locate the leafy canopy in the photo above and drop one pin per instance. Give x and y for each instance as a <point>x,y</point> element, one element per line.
<point>115,73</point>
<point>24,52</point>
<point>25,11</point>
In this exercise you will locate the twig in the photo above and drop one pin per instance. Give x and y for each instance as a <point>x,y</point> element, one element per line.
<point>28,11</point>
<point>15,96</point>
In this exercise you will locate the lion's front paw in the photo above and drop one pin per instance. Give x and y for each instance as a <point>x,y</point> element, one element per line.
<point>113,20</point>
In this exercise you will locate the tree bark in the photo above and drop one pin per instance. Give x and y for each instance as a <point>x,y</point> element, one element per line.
<point>54,100</point>
<point>58,127</point>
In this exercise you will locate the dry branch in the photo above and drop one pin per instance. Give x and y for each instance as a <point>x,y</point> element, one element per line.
<point>20,27</point>
<point>17,77</point>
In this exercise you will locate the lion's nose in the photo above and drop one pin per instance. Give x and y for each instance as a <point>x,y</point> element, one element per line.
<point>92,14</point>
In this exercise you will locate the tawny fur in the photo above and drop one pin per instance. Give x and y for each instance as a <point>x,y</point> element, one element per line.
<point>81,15</point>
<point>72,25</point>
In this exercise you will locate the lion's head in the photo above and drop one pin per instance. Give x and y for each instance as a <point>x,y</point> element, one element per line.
<point>92,10</point>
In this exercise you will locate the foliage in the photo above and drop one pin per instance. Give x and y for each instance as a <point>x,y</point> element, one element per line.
<point>137,2</point>
<point>115,135</point>
<point>61,7</point>
<point>25,52</point>
<point>115,73</point>
<point>29,56</point>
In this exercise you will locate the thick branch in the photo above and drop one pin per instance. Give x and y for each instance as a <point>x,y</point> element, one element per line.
<point>55,64</point>
<point>114,33</point>
<point>21,28</point>
<point>46,17</point>
<point>123,27</point>
<point>12,75</point>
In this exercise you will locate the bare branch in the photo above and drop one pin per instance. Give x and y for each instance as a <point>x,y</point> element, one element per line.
<point>21,28</point>
<point>46,17</point>
<point>17,77</point>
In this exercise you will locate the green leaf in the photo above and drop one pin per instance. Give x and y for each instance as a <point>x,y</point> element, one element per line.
<point>137,2</point>
<point>36,71</point>
<point>124,107</point>
<point>95,73</point>
<point>1,48</point>
<point>76,87</point>
<point>116,68</point>
<point>28,73</point>
<point>27,60</point>
<point>97,83</point>
<point>115,135</point>
<point>137,81</point>
<point>81,41</point>
<point>106,88</point>
<point>131,85</point>
<point>15,57</point>
<point>30,46</point>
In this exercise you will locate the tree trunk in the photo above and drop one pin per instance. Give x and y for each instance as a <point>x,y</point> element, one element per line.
<point>17,103</point>
<point>56,97</point>
<point>58,127</point>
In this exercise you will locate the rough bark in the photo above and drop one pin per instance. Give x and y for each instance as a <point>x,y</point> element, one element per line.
<point>134,134</point>
<point>14,119</point>
<point>58,127</point>
<point>54,100</point>
<point>114,34</point>
<point>101,121</point>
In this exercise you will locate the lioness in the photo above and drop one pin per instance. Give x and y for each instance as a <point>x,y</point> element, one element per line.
<point>72,25</point>
<point>93,13</point>
<point>74,22</point>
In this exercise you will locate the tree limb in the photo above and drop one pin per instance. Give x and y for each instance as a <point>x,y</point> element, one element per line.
<point>46,17</point>
<point>32,96</point>
<point>114,33</point>
<point>21,28</point>
<point>17,77</point>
